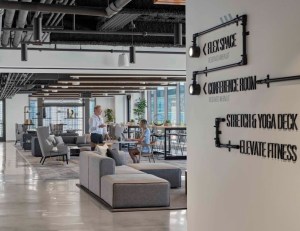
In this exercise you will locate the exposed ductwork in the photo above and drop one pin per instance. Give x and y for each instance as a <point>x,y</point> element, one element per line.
<point>13,83</point>
<point>20,24</point>
<point>8,20</point>
<point>111,10</point>
<point>57,19</point>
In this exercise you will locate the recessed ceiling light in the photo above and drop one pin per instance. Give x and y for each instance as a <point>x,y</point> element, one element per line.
<point>64,87</point>
<point>143,82</point>
<point>122,92</point>
<point>54,91</point>
<point>76,83</point>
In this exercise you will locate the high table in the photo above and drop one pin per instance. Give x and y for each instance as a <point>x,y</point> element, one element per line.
<point>167,132</point>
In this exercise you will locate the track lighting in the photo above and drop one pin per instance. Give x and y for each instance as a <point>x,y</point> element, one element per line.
<point>178,34</point>
<point>24,52</point>
<point>194,50</point>
<point>37,29</point>
<point>132,54</point>
<point>194,88</point>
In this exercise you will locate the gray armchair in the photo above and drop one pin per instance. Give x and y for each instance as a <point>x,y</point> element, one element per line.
<point>19,132</point>
<point>47,148</point>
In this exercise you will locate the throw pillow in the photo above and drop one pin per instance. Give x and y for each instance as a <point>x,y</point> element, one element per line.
<point>114,154</point>
<point>59,140</point>
<point>101,149</point>
<point>51,139</point>
<point>81,140</point>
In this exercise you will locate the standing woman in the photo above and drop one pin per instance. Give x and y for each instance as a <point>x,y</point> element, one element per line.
<point>144,141</point>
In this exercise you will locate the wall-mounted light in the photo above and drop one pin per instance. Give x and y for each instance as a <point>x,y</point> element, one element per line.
<point>37,29</point>
<point>194,88</point>
<point>24,52</point>
<point>194,50</point>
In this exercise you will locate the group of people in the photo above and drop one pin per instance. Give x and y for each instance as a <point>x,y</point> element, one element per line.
<point>99,133</point>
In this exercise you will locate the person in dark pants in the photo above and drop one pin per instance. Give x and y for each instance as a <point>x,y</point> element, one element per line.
<point>97,127</point>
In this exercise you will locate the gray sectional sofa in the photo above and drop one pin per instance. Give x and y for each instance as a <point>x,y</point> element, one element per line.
<point>126,186</point>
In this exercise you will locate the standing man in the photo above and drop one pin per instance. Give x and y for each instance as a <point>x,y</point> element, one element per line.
<point>97,127</point>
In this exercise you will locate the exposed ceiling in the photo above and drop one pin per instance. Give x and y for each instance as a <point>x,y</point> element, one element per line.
<point>140,22</point>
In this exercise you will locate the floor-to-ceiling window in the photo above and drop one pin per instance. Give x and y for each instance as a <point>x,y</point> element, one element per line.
<point>160,105</point>
<point>167,103</point>
<point>182,104</point>
<point>151,105</point>
<point>2,120</point>
<point>172,105</point>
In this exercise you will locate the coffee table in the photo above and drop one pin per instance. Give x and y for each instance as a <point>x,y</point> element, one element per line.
<point>74,150</point>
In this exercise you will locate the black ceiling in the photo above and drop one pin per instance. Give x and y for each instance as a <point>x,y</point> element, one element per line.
<point>147,17</point>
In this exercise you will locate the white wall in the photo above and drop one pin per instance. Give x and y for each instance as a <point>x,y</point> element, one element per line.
<point>15,114</point>
<point>226,190</point>
<point>105,103</point>
<point>120,108</point>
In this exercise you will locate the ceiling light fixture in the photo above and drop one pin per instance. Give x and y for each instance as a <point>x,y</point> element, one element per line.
<point>76,83</point>
<point>37,29</point>
<point>54,91</point>
<point>64,87</point>
<point>194,88</point>
<point>123,60</point>
<point>132,48</point>
<point>24,52</point>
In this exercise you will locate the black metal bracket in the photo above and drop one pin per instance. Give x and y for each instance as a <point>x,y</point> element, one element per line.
<point>268,81</point>
<point>218,143</point>
<point>244,61</point>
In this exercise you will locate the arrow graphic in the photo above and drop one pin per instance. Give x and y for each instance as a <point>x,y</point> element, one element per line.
<point>204,49</point>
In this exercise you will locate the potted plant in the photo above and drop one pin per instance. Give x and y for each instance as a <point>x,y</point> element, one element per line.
<point>139,110</point>
<point>109,115</point>
<point>131,122</point>
<point>167,123</point>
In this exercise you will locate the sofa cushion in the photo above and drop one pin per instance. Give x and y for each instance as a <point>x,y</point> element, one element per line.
<point>59,140</point>
<point>101,149</point>
<point>51,139</point>
<point>81,140</point>
<point>168,172</point>
<point>126,170</point>
<point>114,154</point>
<point>135,190</point>
<point>69,139</point>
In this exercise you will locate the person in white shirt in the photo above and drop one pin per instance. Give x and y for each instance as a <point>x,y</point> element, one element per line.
<point>98,128</point>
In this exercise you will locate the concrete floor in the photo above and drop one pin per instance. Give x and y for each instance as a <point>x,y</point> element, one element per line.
<point>27,203</point>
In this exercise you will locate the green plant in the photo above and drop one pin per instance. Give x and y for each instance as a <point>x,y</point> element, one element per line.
<point>132,120</point>
<point>109,115</point>
<point>167,122</point>
<point>139,109</point>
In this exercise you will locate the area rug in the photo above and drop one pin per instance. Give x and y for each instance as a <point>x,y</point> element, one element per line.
<point>52,168</point>
<point>178,201</point>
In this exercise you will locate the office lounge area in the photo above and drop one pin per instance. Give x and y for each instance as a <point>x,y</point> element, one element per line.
<point>50,90</point>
